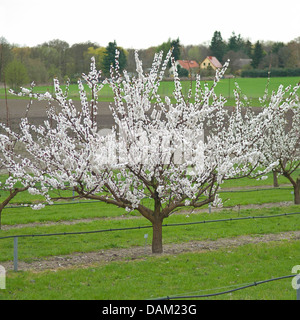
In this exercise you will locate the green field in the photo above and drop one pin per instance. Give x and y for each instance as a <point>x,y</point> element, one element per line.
<point>147,276</point>
<point>153,277</point>
<point>253,88</point>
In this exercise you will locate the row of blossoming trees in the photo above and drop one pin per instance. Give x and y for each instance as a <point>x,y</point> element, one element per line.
<point>161,154</point>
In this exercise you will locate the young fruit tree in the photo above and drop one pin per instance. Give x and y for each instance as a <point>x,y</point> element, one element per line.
<point>162,154</point>
<point>281,141</point>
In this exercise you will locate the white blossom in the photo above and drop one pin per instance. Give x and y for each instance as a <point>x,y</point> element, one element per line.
<point>38,206</point>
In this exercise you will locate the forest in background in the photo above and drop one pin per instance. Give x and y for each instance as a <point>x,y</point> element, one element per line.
<point>57,59</point>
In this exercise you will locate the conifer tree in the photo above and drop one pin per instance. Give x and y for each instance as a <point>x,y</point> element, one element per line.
<point>217,45</point>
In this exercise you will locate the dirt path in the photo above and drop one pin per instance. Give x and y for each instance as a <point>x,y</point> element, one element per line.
<point>89,259</point>
<point>37,113</point>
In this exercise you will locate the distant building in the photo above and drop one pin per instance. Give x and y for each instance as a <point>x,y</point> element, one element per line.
<point>190,65</point>
<point>210,62</point>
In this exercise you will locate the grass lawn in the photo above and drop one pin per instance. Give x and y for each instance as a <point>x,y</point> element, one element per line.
<point>246,182</point>
<point>31,248</point>
<point>152,276</point>
<point>253,88</point>
<point>92,209</point>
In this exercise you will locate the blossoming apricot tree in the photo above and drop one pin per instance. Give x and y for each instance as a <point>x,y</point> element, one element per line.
<point>162,154</point>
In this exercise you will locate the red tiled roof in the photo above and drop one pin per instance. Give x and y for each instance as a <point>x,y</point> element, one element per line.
<point>215,61</point>
<point>188,64</point>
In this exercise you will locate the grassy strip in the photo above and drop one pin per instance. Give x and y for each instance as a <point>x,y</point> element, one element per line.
<point>253,88</point>
<point>159,276</point>
<point>61,212</point>
<point>25,197</point>
<point>257,197</point>
<point>31,248</point>
<point>246,182</point>
<point>88,209</point>
<point>55,213</point>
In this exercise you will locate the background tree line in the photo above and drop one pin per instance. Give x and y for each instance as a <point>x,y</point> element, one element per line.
<point>56,58</point>
<point>261,55</point>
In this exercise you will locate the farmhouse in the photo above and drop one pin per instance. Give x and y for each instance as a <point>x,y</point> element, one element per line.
<point>190,65</point>
<point>210,62</point>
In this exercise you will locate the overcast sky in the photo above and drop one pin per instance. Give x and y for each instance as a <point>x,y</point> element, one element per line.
<point>141,24</point>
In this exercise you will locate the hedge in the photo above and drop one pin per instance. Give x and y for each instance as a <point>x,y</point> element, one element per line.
<point>278,72</point>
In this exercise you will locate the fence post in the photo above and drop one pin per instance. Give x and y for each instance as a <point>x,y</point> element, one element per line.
<point>15,253</point>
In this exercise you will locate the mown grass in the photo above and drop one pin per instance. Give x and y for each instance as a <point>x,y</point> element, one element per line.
<point>26,198</point>
<point>154,276</point>
<point>159,276</point>
<point>94,209</point>
<point>15,213</point>
<point>246,182</point>
<point>32,248</point>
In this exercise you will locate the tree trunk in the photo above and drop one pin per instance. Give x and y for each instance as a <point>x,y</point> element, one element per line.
<point>297,192</point>
<point>275,180</point>
<point>157,237</point>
